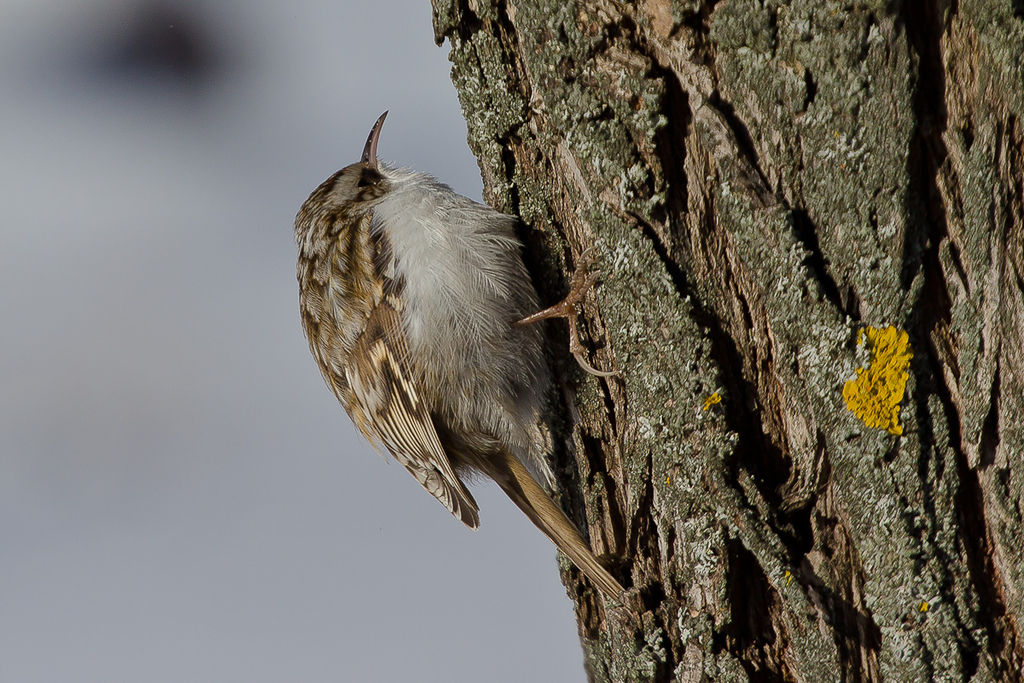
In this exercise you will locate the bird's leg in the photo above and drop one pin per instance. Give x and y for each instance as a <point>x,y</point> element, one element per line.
<point>582,281</point>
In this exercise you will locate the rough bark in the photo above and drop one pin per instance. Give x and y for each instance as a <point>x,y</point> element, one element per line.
<point>761,180</point>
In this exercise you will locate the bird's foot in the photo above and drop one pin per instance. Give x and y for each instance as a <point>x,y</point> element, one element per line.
<point>583,280</point>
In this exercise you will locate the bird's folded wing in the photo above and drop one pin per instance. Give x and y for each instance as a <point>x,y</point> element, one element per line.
<point>389,408</point>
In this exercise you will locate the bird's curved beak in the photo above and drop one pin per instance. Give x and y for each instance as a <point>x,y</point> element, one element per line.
<point>370,150</point>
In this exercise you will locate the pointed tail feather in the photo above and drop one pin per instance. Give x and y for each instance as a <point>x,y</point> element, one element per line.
<point>527,494</point>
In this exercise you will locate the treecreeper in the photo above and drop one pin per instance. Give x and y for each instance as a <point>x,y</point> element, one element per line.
<point>417,307</point>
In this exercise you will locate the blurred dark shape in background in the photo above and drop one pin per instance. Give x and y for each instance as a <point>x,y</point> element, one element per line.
<point>173,43</point>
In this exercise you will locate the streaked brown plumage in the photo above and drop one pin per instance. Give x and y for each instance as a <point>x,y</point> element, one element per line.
<point>409,295</point>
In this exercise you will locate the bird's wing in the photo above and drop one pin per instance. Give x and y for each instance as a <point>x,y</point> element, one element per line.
<point>388,408</point>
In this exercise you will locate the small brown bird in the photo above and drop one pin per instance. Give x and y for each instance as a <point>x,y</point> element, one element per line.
<point>414,299</point>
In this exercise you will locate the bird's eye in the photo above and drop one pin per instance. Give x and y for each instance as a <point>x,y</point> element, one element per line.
<point>369,177</point>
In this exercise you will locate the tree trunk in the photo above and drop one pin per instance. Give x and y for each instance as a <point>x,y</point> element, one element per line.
<point>762,182</point>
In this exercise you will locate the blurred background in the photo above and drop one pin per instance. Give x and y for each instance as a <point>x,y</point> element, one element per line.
<point>181,498</point>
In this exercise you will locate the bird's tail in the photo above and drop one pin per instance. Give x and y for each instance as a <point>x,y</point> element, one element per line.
<point>527,494</point>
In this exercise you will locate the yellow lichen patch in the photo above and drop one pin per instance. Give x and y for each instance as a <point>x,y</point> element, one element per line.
<point>712,400</point>
<point>875,395</point>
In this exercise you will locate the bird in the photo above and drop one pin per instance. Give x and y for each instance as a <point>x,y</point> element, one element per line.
<point>418,310</point>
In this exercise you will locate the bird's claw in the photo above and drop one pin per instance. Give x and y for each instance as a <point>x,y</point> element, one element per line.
<point>583,279</point>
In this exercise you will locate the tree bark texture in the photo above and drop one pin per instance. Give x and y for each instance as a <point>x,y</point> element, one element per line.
<point>760,181</point>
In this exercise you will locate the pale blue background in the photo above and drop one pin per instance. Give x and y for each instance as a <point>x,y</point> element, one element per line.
<point>181,499</point>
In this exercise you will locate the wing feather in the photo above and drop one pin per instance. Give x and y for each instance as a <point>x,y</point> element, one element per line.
<point>389,409</point>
